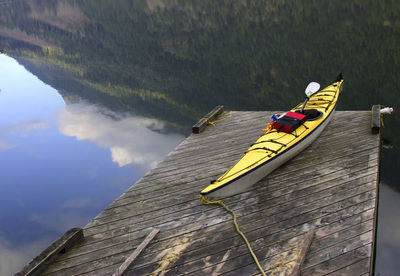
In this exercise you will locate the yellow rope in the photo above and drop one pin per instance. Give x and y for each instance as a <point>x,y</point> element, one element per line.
<point>227,114</point>
<point>219,202</point>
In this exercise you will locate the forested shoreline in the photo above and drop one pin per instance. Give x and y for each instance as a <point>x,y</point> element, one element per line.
<point>176,60</point>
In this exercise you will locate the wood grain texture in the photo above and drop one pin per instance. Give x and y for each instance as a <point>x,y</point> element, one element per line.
<point>120,270</point>
<point>331,187</point>
<point>202,123</point>
<point>375,119</point>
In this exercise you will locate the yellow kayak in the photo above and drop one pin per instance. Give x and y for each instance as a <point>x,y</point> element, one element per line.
<point>284,137</point>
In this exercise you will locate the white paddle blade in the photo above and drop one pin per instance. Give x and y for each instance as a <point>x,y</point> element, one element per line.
<point>311,88</point>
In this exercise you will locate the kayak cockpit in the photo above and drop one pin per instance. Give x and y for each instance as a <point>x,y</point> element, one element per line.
<point>311,114</point>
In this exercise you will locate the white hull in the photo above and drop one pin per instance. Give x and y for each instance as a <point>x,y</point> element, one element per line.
<point>244,182</point>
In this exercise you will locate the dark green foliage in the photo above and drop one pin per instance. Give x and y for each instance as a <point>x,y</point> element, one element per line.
<point>247,55</point>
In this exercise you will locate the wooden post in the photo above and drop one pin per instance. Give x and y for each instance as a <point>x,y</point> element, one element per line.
<point>375,119</point>
<point>202,123</point>
<point>136,253</point>
<point>47,257</point>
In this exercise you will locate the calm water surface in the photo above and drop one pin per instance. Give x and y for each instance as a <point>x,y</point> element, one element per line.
<point>388,238</point>
<point>62,160</point>
<point>61,164</point>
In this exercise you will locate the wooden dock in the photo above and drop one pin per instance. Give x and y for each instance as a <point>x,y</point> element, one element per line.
<point>331,187</point>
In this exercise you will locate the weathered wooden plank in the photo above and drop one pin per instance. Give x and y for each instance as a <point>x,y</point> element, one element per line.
<point>173,232</point>
<point>358,268</point>
<point>270,241</point>
<point>121,269</point>
<point>288,190</point>
<point>171,185</point>
<point>178,187</point>
<point>246,139</point>
<point>272,248</point>
<point>339,248</point>
<point>340,262</point>
<point>227,127</point>
<point>302,255</point>
<point>202,123</point>
<point>342,234</point>
<point>133,211</point>
<point>245,134</point>
<point>297,195</point>
<point>147,179</point>
<point>235,265</point>
<point>49,255</point>
<point>261,232</point>
<point>303,189</point>
<point>271,182</point>
<point>205,166</point>
<point>367,273</point>
<point>288,169</point>
<point>238,118</point>
<point>229,145</point>
<point>287,204</point>
<point>249,260</point>
<point>375,119</point>
<point>211,230</point>
<point>251,130</point>
<point>233,152</point>
<point>219,131</point>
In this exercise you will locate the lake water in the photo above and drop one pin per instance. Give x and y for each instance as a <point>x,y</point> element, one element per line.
<point>93,93</point>
<point>60,165</point>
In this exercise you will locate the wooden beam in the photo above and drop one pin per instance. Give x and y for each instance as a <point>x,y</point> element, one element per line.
<point>47,257</point>
<point>303,252</point>
<point>375,119</point>
<point>136,253</point>
<point>202,123</point>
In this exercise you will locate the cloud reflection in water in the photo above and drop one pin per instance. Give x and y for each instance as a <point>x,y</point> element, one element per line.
<point>50,182</point>
<point>12,257</point>
<point>5,145</point>
<point>132,140</point>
